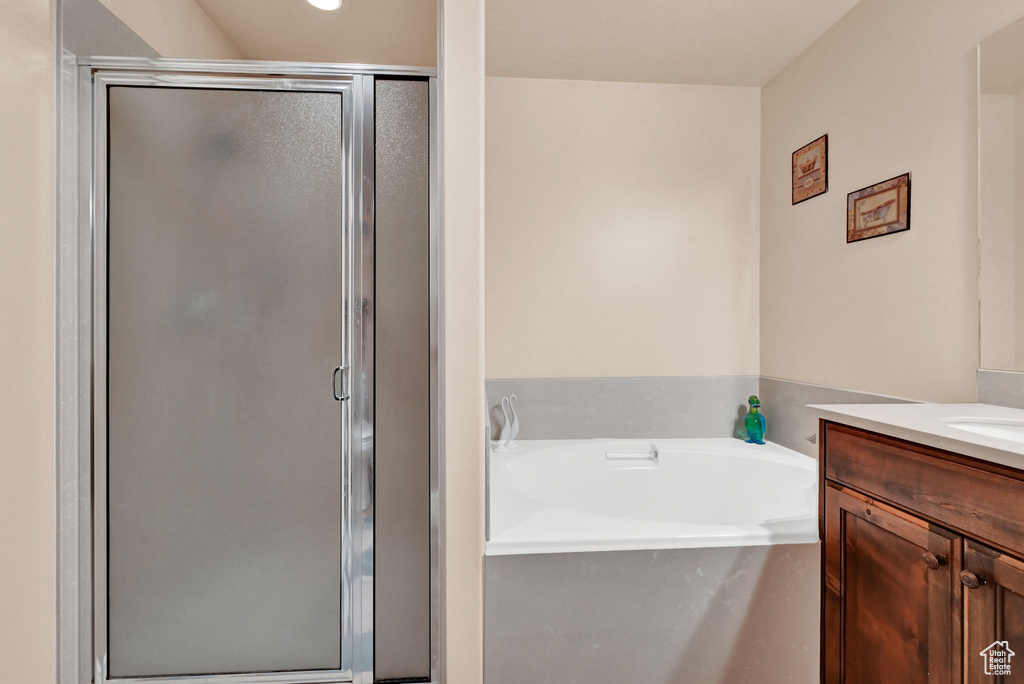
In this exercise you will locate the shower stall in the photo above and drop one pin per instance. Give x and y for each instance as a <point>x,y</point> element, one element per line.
<point>249,293</point>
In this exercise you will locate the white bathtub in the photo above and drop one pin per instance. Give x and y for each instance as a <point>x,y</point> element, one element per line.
<point>701,566</point>
<point>552,496</point>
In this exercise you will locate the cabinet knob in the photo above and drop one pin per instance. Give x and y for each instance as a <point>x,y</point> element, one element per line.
<point>933,561</point>
<point>970,580</point>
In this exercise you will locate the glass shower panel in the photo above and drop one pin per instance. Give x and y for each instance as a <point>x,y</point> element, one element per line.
<point>224,450</point>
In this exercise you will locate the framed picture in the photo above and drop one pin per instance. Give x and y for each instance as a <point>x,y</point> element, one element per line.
<point>878,209</point>
<point>810,170</point>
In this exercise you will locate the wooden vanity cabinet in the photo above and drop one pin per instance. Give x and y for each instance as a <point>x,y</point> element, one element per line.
<point>994,609</point>
<point>921,563</point>
<point>889,616</point>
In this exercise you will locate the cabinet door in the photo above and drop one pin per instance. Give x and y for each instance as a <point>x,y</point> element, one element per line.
<point>994,615</point>
<point>891,596</point>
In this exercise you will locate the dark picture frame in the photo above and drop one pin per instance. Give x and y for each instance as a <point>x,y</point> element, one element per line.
<point>879,209</point>
<point>810,170</point>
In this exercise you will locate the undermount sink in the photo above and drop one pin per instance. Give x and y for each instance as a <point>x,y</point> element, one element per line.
<point>1011,431</point>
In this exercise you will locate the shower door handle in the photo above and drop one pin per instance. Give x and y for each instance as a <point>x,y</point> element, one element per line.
<point>343,371</point>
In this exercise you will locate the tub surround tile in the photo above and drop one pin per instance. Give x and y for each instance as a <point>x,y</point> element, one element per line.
<point>729,614</point>
<point>628,408</point>
<point>794,426</point>
<point>689,406</point>
<point>1001,388</point>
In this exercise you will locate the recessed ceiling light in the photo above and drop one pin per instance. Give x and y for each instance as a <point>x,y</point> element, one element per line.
<point>325,4</point>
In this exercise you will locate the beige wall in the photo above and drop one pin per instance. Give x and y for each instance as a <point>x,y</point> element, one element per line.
<point>462,59</point>
<point>400,32</point>
<point>174,28</point>
<point>364,32</point>
<point>27,485</point>
<point>621,229</point>
<point>894,84</point>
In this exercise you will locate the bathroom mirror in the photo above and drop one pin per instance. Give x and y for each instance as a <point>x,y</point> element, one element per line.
<point>1001,199</point>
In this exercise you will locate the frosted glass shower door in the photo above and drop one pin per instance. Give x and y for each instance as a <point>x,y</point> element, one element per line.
<point>226,248</point>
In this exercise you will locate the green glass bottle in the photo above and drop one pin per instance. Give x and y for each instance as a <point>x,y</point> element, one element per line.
<point>754,421</point>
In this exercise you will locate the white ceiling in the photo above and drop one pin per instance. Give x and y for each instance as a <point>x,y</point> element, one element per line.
<point>709,42</point>
<point>1002,61</point>
<point>400,32</point>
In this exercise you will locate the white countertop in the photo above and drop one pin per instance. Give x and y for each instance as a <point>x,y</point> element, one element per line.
<point>927,424</point>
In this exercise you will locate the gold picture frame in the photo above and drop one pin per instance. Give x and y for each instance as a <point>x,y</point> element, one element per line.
<point>879,209</point>
<point>810,170</point>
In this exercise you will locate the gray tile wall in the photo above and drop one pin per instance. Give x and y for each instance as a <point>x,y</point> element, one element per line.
<point>1002,388</point>
<point>790,423</point>
<point>585,408</point>
<point>746,614</point>
<point>696,406</point>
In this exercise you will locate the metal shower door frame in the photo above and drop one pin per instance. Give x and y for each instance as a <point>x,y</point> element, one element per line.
<point>356,346</point>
